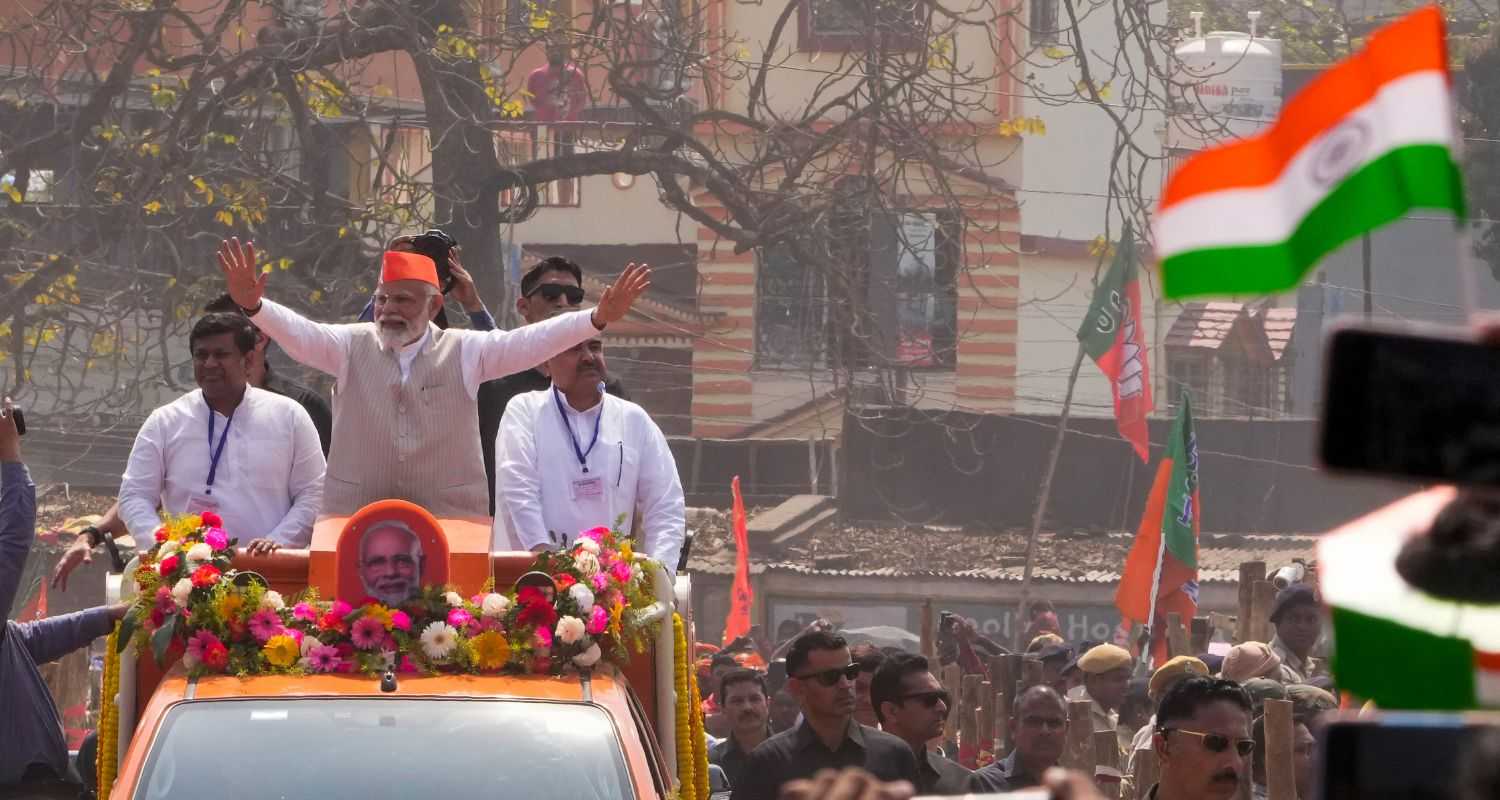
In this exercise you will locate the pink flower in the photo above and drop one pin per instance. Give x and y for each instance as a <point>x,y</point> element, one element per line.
<point>346,652</point>
<point>620,571</point>
<point>407,665</point>
<point>600,581</point>
<point>216,538</point>
<point>264,624</point>
<point>168,565</point>
<point>305,612</point>
<point>211,519</point>
<point>340,609</point>
<point>544,638</point>
<point>400,620</point>
<point>368,633</point>
<point>460,618</point>
<point>294,633</point>
<point>200,643</point>
<point>598,620</point>
<point>597,534</point>
<point>324,658</point>
<point>492,624</point>
<point>164,602</point>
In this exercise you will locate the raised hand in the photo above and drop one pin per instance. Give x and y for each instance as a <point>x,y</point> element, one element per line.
<point>463,284</point>
<point>245,282</point>
<point>621,294</point>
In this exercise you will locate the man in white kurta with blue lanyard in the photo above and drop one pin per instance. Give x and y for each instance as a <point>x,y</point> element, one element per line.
<point>572,457</point>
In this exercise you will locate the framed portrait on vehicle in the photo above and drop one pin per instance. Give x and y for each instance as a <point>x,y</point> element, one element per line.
<point>389,550</point>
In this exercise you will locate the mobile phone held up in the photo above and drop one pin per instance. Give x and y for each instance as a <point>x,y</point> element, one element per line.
<point>1412,404</point>
<point>435,244</point>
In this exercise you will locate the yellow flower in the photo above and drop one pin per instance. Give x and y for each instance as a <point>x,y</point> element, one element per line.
<point>626,554</point>
<point>229,605</point>
<point>614,619</point>
<point>380,612</point>
<point>282,651</point>
<point>491,650</point>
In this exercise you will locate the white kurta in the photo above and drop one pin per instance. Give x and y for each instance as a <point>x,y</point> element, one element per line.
<point>269,482</point>
<point>544,498</point>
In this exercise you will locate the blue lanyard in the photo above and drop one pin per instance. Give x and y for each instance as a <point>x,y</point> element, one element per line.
<point>583,455</point>
<point>216,452</point>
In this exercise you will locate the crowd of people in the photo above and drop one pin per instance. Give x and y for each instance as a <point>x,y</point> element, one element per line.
<point>819,702</point>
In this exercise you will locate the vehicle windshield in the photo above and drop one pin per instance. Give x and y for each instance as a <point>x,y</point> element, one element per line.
<point>376,747</point>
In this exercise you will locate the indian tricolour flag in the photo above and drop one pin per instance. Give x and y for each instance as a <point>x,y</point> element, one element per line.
<point>1366,142</point>
<point>1392,642</point>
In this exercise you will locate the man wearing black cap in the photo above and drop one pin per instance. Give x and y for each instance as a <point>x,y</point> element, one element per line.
<point>1299,623</point>
<point>1054,658</point>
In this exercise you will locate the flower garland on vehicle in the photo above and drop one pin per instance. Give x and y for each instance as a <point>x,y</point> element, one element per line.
<point>684,712</point>
<point>226,621</point>
<point>108,747</point>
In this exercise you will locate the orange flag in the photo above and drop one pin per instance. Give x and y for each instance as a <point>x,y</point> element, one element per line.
<point>740,596</point>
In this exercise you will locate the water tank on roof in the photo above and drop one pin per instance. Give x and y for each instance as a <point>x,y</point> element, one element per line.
<point>1227,85</point>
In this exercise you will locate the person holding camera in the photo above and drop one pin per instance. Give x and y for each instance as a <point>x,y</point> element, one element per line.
<point>405,421</point>
<point>34,753</point>
<point>453,279</point>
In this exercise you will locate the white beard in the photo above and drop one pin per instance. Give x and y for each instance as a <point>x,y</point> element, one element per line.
<point>394,338</point>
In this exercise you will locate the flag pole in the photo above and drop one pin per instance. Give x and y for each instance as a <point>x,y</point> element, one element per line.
<point>1044,497</point>
<point>1161,554</point>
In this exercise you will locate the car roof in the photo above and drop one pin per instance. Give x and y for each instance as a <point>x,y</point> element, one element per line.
<point>601,683</point>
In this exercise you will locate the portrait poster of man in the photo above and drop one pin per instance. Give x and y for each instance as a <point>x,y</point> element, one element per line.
<point>389,550</point>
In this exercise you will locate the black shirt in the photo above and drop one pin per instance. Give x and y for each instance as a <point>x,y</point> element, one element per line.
<point>495,395</point>
<point>1003,776</point>
<point>311,401</point>
<point>938,775</point>
<point>799,753</point>
<point>730,758</point>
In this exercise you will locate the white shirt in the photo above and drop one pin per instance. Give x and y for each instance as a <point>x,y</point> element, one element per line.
<point>269,482</point>
<point>536,470</point>
<point>485,355</point>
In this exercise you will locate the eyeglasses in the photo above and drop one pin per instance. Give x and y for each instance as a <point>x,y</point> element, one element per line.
<point>1217,742</point>
<point>551,291</point>
<point>930,698</point>
<point>830,677</point>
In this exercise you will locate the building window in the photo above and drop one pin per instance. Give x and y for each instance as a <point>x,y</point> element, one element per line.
<point>1043,22</point>
<point>1249,390</point>
<point>1188,372</point>
<point>834,25</point>
<point>926,292</point>
<point>790,312</point>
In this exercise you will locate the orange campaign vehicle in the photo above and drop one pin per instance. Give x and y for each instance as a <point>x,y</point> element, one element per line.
<point>397,656</point>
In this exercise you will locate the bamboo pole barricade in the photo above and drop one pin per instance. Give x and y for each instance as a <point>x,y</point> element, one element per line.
<point>1107,763</point>
<point>1250,573</point>
<point>1201,634</point>
<point>1262,598</point>
<point>1001,730</point>
<point>1281,778</point>
<point>986,718</point>
<point>968,720</point>
<point>929,642</point>
<point>1177,636</point>
<point>1078,750</point>
<point>953,683</point>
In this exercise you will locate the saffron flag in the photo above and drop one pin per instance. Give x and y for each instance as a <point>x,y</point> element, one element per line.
<point>1363,144</point>
<point>1112,335</point>
<point>741,596</point>
<point>1449,648</point>
<point>1161,570</point>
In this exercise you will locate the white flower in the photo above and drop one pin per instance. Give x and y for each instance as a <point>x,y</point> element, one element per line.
<point>181,591</point>
<point>636,573</point>
<point>200,553</point>
<point>453,599</point>
<point>439,639</point>
<point>582,596</point>
<point>308,643</point>
<point>494,605</point>
<point>271,601</point>
<point>587,564</point>
<point>586,545</point>
<point>167,548</point>
<point>569,630</point>
<point>589,657</point>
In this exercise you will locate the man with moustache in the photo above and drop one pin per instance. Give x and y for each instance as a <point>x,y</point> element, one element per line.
<point>742,696</point>
<point>405,423</point>
<point>912,705</point>
<point>1203,742</point>
<point>390,563</point>
<point>821,674</point>
<point>573,457</point>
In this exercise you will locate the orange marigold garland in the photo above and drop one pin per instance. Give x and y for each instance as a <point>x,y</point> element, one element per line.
<point>109,717</point>
<point>682,670</point>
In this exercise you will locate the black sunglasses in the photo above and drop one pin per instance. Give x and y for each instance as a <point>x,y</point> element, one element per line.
<point>1217,742</point>
<point>830,677</point>
<point>930,698</point>
<point>551,291</point>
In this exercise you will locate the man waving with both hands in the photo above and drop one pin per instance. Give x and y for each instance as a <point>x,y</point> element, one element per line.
<point>404,417</point>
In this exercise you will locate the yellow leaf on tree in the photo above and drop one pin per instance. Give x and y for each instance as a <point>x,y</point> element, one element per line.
<point>224,218</point>
<point>343,231</point>
<point>153,207</point>
<point>12,192</point>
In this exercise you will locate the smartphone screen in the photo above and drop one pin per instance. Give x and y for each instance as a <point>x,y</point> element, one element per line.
<point>1412,406</point>
<point>1401,756</point>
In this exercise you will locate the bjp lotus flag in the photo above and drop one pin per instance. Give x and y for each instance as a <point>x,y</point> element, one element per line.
<point>741,596</point>
<point>1111,335</point>
<point>1161,571</point>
